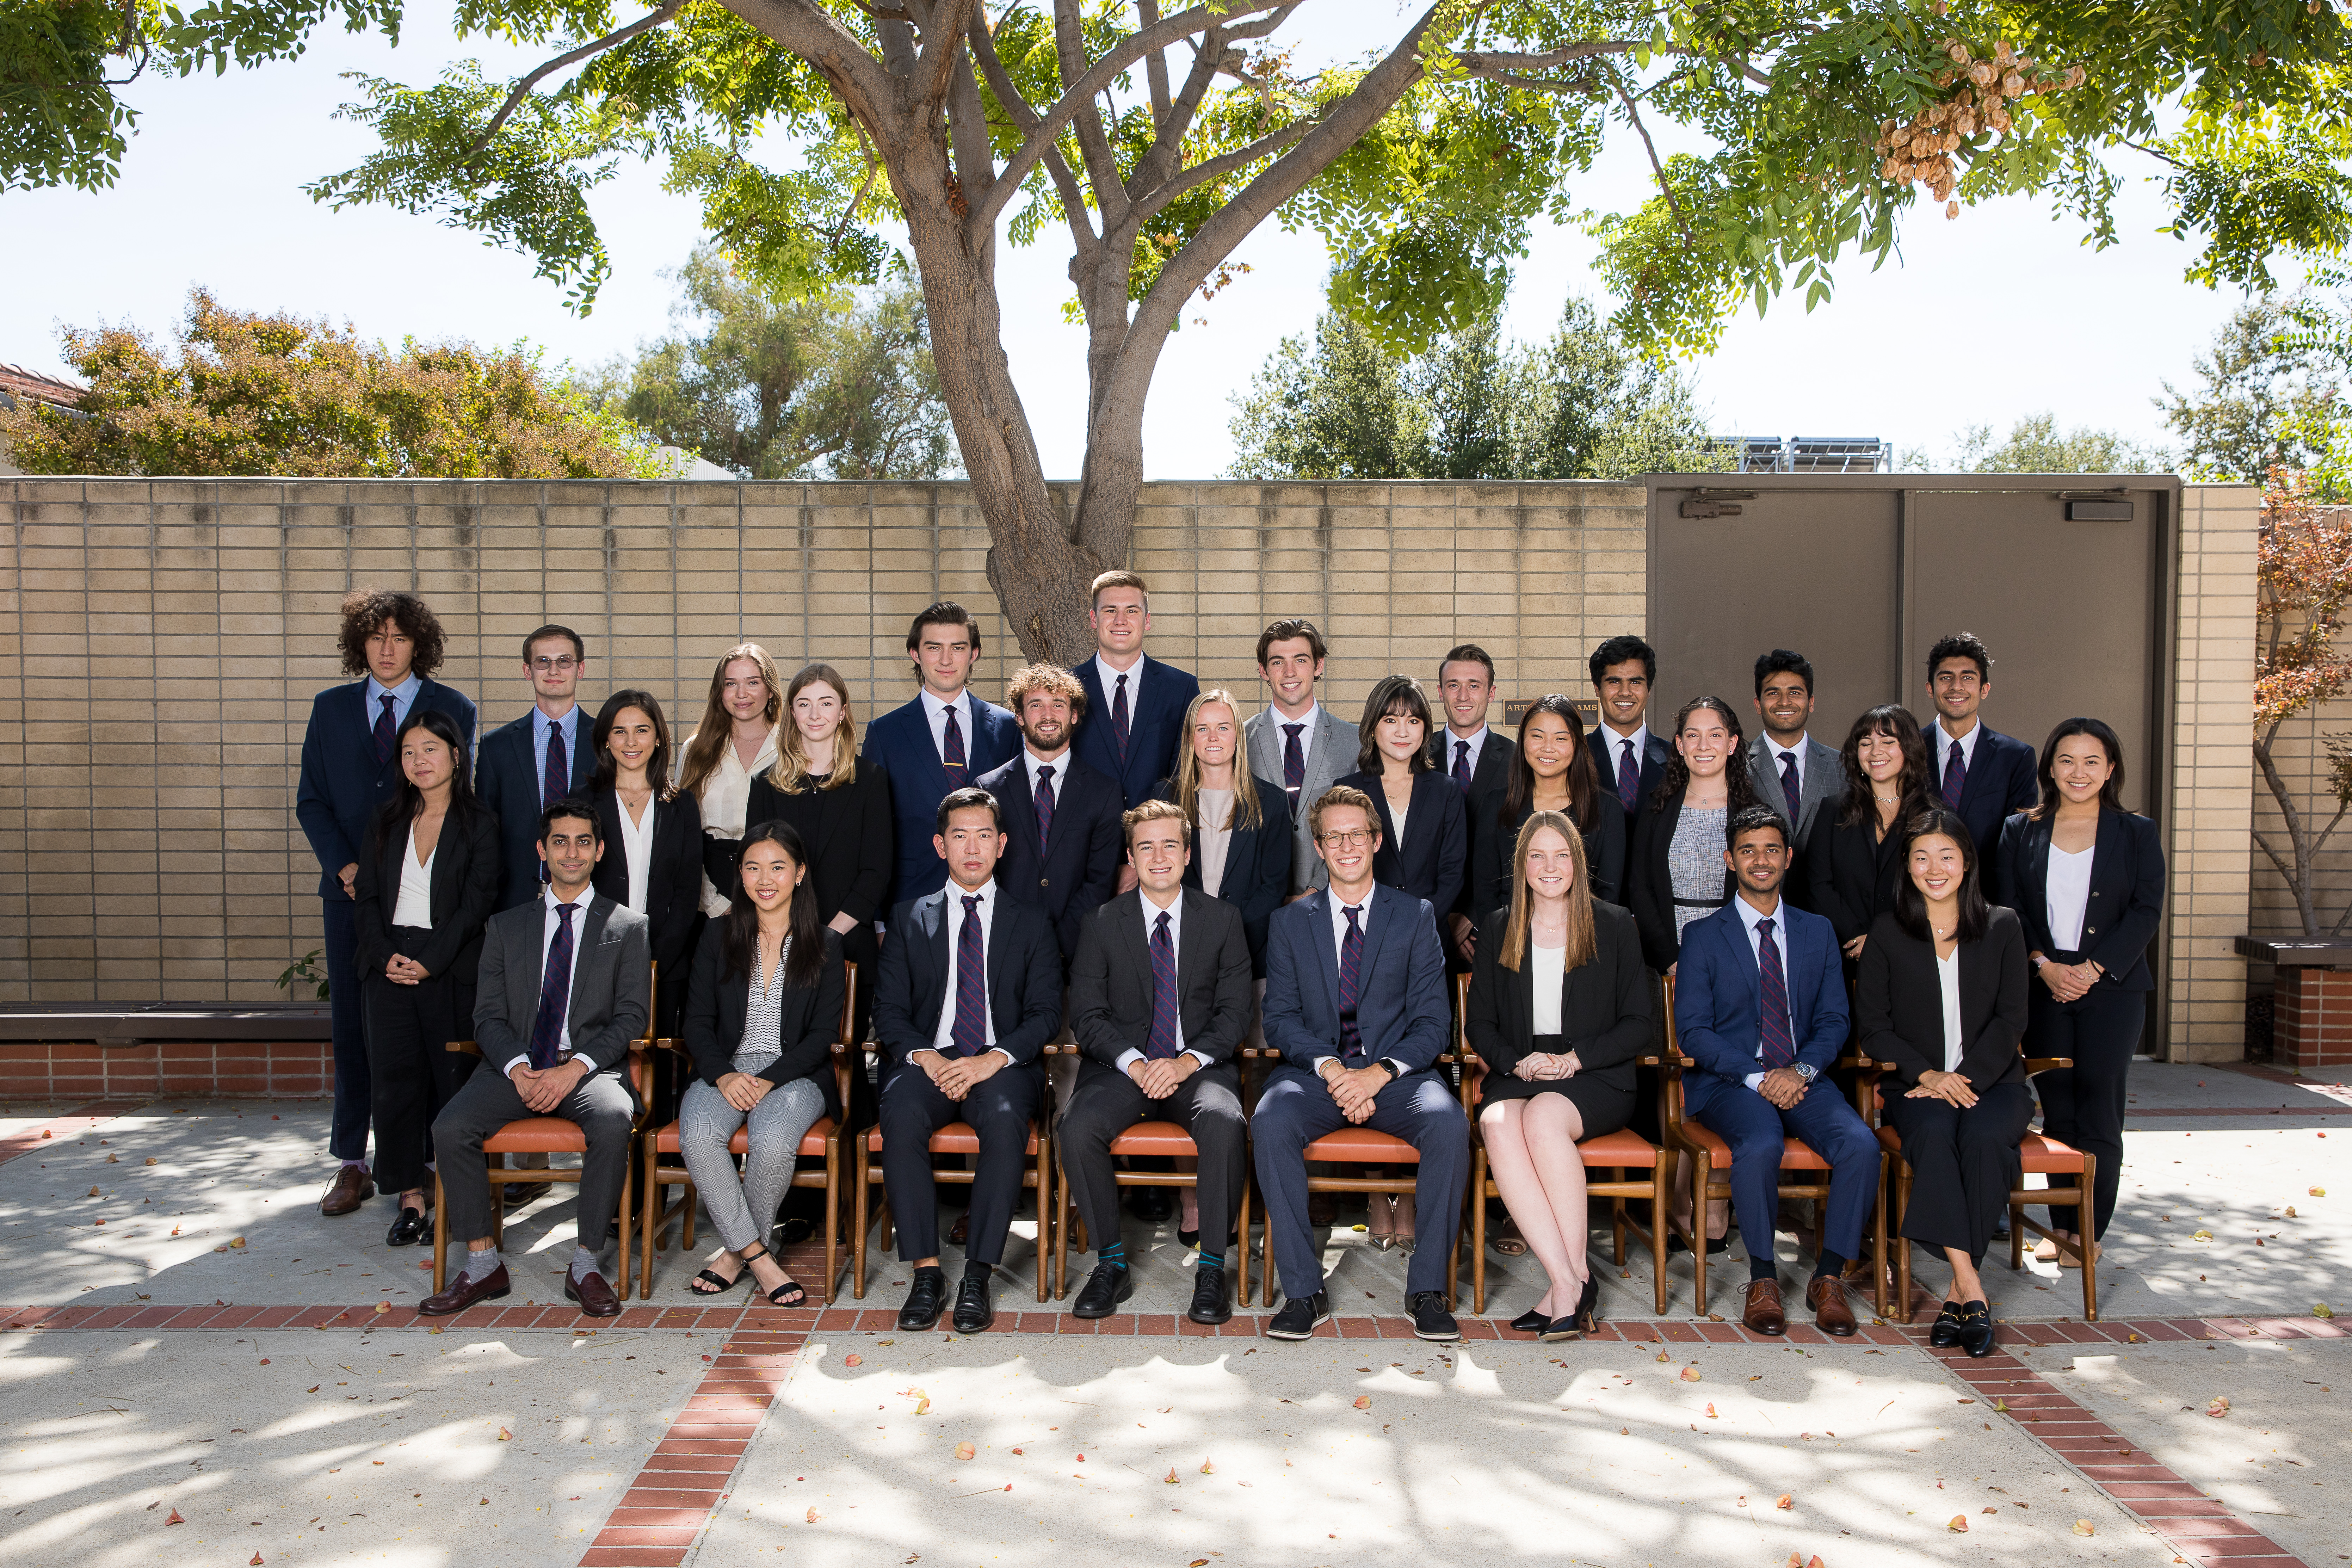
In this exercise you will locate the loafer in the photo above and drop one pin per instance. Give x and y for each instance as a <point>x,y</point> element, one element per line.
<point>1431,1320</point>
<point>925,1301</point>
<point>1530,1322</point>
<point>351,1187</point>
<point>1763,1313</point>
<point>1211,1303</point>
<point>1104,1289</point>
<point>961,1230</point>
<point>975,1310</point>
<point>1831,1315</point>
<point>595,1298</point>
<point>409,1227</point>
<point>462,1292</point>
<point>1946,1331</point>
<point>1976,1335</point>
<point>1300,1317</point>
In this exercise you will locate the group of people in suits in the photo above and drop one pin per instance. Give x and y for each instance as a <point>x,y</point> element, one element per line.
<point>1118,859</point>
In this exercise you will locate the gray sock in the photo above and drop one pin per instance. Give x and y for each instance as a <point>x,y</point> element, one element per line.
<point>483,1264</point>
<point>585,1261</point>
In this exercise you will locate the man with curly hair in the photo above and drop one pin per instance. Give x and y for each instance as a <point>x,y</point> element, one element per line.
<point>350,768</point>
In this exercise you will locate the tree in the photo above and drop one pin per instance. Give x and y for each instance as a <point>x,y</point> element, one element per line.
<point>2035,446</point>
<point>1579,406</point>
<point>2303,587</point>
<point>2269,400</point>
<point>242,395</point>
<point>1160,140</point>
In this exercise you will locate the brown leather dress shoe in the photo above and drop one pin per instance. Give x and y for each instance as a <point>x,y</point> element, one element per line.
<point>1763,1314</point>
<point>463,1293</point>
<point>351,1187</point>
<point>595,1297</point>
<point>1826,1297</point>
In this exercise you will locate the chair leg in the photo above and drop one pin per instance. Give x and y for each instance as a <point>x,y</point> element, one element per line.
<point>2017,1229</point>
<point>628,1191</point>
<point>1061,1229</point>
<point>440,1235</point>
<point>498,1202</point>
<point>650,1201</point>
<point>1044,1220</point>
<point>1662,1176</point>
<point>1478,1234</point>
<point>1453,1263</point>
<point>857,1244</point>
<point>832,1215</point>
<point>1702,1181</point>
<point>1243,1261</point>
<point>1878,1242</point>
<point>1617,1222</point>
<point>2087,1221</point>
<point>1902,1247</point>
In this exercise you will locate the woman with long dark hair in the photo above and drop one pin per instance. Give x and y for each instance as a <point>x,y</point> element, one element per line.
<point>1550,770</point>
<point>425,887</point>
<point>1675,871</point>
<point>735,743</point>
<point>1853,858</point>
<point>761,1019</point>
<point>653,840</point>
<point>2087,877</point>
<point>1941,994</point>
<point>1424,836</point>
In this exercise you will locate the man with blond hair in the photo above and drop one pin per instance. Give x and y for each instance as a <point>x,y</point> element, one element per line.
<point>1138,703</point>
<point>1061,817</point>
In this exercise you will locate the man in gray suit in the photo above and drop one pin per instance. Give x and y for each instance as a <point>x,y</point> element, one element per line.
<point>564,988</point>
<point>1298,741</point>
<point>1793,773</point>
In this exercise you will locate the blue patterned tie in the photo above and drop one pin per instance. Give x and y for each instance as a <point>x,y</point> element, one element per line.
<point>386,728</point>
<point>556,782</point>
<point>1351,969</point>
<point>971,1033</point>
<point>1044,806</point>
<point>1162,1044</point>
<point>1779,1050</point>
<point>952,752</point>
<point>554,995</point>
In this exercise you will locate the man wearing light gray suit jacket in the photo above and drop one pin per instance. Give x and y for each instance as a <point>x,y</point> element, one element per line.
<point>1296,742</point>
<point>1793,773</point>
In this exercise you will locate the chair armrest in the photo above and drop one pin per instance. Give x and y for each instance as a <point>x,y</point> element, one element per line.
<point>2034,1065</point>
<point>462,1048</point>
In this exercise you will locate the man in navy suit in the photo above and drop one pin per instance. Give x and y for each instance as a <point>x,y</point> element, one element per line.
<point>1979,773</point>
<point>1478,760</point>
<point>1062,826</point>
<point>969,992</point>
<point>1136,704</point>
<point>1759,1005</point>
<point>1631,759</point>
<point>1355,1001</point>
<point>943,739</point>
<point>547,755</point>
<point>350,768</point>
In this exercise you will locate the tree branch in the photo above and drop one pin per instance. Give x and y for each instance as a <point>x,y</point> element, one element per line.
<point>806,29</point>
<point>982,220</point>
<point>943,32</point>
<point>1664,188</point>
<point>1485,63</point>
<point>1155,64</point>
<point>1152,200</point>
<point>645,23</point>
<point>1093,143</point>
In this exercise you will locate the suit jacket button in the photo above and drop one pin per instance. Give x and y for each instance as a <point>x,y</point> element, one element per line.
<point>2090,931</point>
<point>1044,881</point>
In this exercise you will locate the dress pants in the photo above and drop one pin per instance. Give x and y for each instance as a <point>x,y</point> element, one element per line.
<point>1420,1108</point>
<point>743,1208</point>
<point>347,1136</point>
<point>1756,1130</point>
<point>1964,1163</point>
<point>412,1073</point>
<point>1001,1112</point>
<point>1106,1103</point>
<point>2083,1106</point>
<point>602,1103</point>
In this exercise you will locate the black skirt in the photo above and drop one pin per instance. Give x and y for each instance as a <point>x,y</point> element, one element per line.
<point>1605,1109</point>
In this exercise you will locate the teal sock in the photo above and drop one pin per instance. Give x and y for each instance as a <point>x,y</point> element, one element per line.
<point>1115,1255</point>
<point>1211,1260</point>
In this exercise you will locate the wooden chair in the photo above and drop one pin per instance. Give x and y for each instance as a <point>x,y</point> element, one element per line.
<point>1167,1139</point>
<point>822,1139</point>
<point>1620,1153</point>
<point>1710,1153</point>
<point>550,1135</point>
<point>955,1138</point>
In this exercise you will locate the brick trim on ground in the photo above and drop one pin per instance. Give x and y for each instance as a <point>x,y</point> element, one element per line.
<point>74,1124</point>
<point>147,1069</point>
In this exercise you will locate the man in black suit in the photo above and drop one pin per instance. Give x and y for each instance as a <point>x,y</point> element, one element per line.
<point>544,756</point>
<point>1138,703</point>
<point>1477,759</point>
<point>1631,759</point>
<point>1979,773</point>
<point>563,992</point>
<point>1061,817</point>
<point>1159,1001</point>
<point>350,767</point>
<point>969,992</point>
<point>1793,773</point>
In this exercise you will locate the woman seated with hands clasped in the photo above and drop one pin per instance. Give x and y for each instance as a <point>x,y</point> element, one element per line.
<point>1941,994</point>
<point>1559,1009</point>
<point>762,1014</point>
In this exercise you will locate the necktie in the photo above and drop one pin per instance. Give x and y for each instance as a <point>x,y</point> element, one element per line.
<point>971,1032</point>
<point>1162,1044</point>
<point>1462,766</point>
<point>1779,1050</point>
<point>1789,787</point>
<point>1352,968</point>
<point>1956,775</point>
<point>1119,719</point>
<point>1294,761</point>
<point>1044,806</point>
<point>554,993</point>
<point>1629,778</point>
<point>556,782</point>
<point>386,727</point>
<point>952,752</point>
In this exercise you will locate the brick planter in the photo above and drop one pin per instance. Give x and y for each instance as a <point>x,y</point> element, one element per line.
<point>148,1070</point>
<point>2312,1024</point>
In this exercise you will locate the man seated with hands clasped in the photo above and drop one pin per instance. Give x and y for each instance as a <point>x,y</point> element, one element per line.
<point>563,990</point>
<point>1159,1001</point>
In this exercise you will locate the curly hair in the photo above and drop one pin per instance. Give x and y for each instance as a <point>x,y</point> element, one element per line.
<point>366,609</point>
<point>1739,789</point>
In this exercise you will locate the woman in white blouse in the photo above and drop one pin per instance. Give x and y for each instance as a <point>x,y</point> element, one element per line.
<point>653,840</point>
<point>735,743</point>
<point>1940,993</point>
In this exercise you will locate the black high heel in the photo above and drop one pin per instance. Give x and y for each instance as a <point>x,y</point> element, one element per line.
<point>1587,1305</point>
<point>1530,1322</point>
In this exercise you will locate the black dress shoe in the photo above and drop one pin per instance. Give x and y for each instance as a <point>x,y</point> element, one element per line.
<point>1431,1320</point>
<point>1945,1332</point>
<point>1104,1289</point>
<point>1211,1304</point>
<point>1529,1322</point>
<point>1300,1317</point>
<point>974,1312</point>
<point>1976,1329</point>
<point>924,1301</point>
<point>1154,1204</point>
<point>409,1227</point>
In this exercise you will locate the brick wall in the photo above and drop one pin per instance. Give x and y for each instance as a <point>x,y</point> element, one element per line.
<point>78,1070</point>
<point>2313,1026</point>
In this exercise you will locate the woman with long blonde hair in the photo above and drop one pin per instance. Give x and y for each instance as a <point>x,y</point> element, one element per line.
<point>735,741</point>
<point>1559,1009</point>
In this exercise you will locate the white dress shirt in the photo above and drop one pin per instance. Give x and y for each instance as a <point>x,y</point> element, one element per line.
<point>637,849</point>
<point>414,907</point>
<point>2067,894</point>
<point>943,1038</point>
<point>1948,979</point>
<point>1748,917</point>
<point>1640,740</point>
<point>1476,742</point>
<point>1134,673</point>
<point>726,797</point>
<point>1548,972</point>
<point>550,924</point>
<point>1966,743</point>
<point>935,714</point>
<point>1152,913</point>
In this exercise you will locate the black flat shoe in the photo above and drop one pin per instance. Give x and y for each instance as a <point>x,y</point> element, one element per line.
<point>1529,1322</point>
<point>1976,1335</point>
<point>924,1301</point>
<point>1188,1237</point>
<point>974,1308</point>
<point>1946,1331</point>
<point>409,1227</point>
<point>1715,1244</point>
<point>1211,1303</point>
<point>1587,1305</point>
<point>1104,1289</point>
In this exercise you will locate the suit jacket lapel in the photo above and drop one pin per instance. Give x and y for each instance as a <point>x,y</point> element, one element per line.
<point>1326,962</point>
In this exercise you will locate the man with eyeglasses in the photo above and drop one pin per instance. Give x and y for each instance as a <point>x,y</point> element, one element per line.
<point>1979,773</point>
<point>537,759</point>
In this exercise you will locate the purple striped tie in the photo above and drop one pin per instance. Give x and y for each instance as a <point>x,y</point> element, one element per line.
<point>386,728</point>
<point>1779,1050</point>
<point>1462,766</point>
<point>1044,806</point>
<point>1629,777</point>
<point>1118,720</point>
<point>952,752</point>
<point>971,1033</point>
<point>1162,1044</point>
<point>554,995</point>
<point>1294,761</point>
<point>1790,788</point>
<point>1352,968</point>
<point>1956,775</point>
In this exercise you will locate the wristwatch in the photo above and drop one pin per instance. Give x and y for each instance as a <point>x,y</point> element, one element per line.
<point>1808,1071</point>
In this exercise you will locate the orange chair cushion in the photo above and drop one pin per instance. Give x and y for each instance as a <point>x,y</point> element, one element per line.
<point>538,1135</point>
<point>1794,1154</point>
<point>1361,1143</point>
<point>955,1138</point>
<point>1155,1138</point>
<point>2048,1156</point>
<point>812,1142</point>
<point>1623,1147</point>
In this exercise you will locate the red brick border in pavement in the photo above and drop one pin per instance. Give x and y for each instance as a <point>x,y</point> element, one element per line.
<point>67,1124</point>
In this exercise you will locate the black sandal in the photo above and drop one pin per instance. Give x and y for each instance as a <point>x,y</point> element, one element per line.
<point>775,1297</point>
<point>718,1285</point>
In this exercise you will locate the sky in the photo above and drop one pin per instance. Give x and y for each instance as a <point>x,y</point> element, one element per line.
<point>1999,314</point>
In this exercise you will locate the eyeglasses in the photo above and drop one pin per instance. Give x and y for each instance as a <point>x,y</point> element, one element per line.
<point>1355,840</point>
<point>563,666</point>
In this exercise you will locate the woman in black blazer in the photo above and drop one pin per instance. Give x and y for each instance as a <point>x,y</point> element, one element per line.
<point>1551,770</point>
<point>2087,877</point>
<point>1429,854</point>
<point>1252,813</point>
<point>1941,994</point>
<point>1853,858</point>
<point>653,841</point>
<point>1560,1065</point>
<point>762,1013</point>
<point>424,888</point>
<point>1707,774</point>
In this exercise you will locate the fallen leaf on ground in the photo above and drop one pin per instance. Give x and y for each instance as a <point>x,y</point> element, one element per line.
<point>814,1516</point>
<point>2316,1192</point>
<point>2084,1527</point>
<point>1988,1508</point>
<point>1171,1476</point>
<point>383,1306</point>
<point>1017,1450</point>
<point>174,1516</point>
<point>505,1435</point>
<point>2217,1405</point>
<point>312,1389</point>
<point>1690,1375</point>
<point>2201,1235</point>
<point>1081,1458</point>
<point>965,1450</point>
<point>150,1159</point>
<point>236,1241</point>
<point>2290,1211</point>
<point>2323,1311</point>
<point>93,1191</point>
<point>1364,1402</point>
<point>265,1361</point>
<point>254,1560</point>
<point>1663,1356</point>
<point>853,1361</point>
<point>1711,1410</point>
<point>1785,1501</point>
<point>1207,1468</point>
<point>1959,1524</point>
<point>923,1408</point>
<point>176,1230</point>
<point>111,1160</point>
